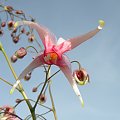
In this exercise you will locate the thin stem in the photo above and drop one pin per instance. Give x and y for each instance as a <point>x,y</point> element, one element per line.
<point>9,64</point>
<point>79,65</point>
<point>5,81</point>
<point>40,84</point>
<point>32,47</point>
<point>41,117</point>
<point>52,101</point>
<point>53,75</point>
<point>45,112</point>
<point>34,102</point>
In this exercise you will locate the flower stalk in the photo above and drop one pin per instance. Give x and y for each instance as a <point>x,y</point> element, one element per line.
<point>52,101</point>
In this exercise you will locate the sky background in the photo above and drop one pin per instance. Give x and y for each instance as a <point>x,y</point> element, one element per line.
<point>99,56</point>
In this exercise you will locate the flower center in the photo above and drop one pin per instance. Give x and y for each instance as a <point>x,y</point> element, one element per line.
<point>51,58</point>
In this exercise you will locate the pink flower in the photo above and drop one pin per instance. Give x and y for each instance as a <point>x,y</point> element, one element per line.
<point>8,113</point>
<point>53,53</point>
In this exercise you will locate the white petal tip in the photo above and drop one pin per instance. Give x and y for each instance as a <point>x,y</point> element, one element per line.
<point>81,100</point>
<point>99,27</point>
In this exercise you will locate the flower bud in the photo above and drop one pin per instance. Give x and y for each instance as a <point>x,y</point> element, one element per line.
<point>42,98</point>
<point>31,38</point>
<point>27,77</point>
<point>8,8</point>
<point>18,100</point>
<point>19,12</point>
<point>21,52</point>
<point>15,38</point>
<point>23,30</point>
<point>27,33</point>
<point>11,25</point>
<point>81,76</point>
<point>14,30</point>
<point>34,89</point>
<point>3,24</point>
<point>1,32</point>
<point>13,58</point>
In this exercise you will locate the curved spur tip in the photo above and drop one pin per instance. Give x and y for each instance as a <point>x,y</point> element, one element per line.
<point>101,23</point>
<point>81,100</point>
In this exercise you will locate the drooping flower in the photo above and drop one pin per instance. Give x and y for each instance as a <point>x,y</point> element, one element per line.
<point>54,52</point>
<point>8,113</point>
<point>81,76</point>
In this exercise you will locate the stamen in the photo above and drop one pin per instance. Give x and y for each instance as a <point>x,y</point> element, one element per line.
<point>51,57</point>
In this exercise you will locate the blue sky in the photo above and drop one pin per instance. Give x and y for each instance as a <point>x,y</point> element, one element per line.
<point>99,56</point>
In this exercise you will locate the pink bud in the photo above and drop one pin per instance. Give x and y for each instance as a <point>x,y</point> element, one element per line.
<point>18,100</point>
<point>21,52</point>
<point>27,77</point>
<point>31,38</point>
<point>3,24</point>
<point>43,98</point>
<point>11,25</point>
<point>19,12</point>
<point>34,89</point>
<point>13,58</point>
<point>15,39</point>
<point>23,30</point>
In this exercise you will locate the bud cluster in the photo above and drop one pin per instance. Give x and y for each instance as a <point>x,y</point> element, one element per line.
<point>12,16</point>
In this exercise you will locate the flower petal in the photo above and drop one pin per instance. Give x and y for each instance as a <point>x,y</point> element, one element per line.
<point>60,40</point>
<point>66,69</point>
<point>76,41</point>
<point>42,31</point>
<point>38,61</point>
<point>62,47</point>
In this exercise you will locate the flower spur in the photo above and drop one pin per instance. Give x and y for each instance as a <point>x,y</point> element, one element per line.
<point>53,53</point>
